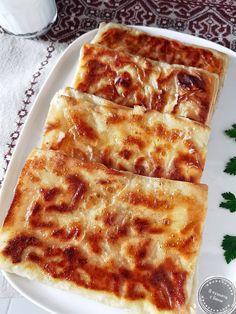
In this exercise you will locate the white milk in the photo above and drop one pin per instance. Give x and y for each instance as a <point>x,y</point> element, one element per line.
<point>22,17</point>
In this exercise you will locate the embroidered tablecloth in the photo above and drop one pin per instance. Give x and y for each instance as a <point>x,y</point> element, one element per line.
<point>214,20</point>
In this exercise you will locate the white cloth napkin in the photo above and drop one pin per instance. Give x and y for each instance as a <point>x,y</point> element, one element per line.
<point>24,65</point>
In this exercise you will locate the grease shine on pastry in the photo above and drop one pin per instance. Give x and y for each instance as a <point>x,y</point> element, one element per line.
<point>134,41</point>
<point>127,240</point>
<point>132,80</point>
<point>148,143</point>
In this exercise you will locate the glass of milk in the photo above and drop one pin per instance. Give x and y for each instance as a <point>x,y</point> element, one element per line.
<point>27,18</point>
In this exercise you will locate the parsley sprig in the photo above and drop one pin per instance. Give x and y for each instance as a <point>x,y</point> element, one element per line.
<point>229,241</point>
<point>230,201</point>
<point>229,246</point>
<point>231,166</point>
<point>231,132</point>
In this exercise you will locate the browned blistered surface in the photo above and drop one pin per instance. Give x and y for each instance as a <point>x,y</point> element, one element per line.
<point>147,143</point>
<point>131,80</point>
<point>132,237</point>
<point>119,37</point>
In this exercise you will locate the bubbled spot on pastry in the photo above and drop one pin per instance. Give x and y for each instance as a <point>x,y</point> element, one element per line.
<point>106,157</point>
<point>17,245</point>
<point>77,188</point>
<point>139,166</point>
<point>109,218</point>
<point>158,100</point>
<point>84,129</point>
<point>173,295</point>
<point>115,119</point>
<point>177,169</point>
<point>124,80</point>
<point>133,140</point>
<point>94,73</point>
<point>149,201</point>
<point>143,225</point>
<point>121,231</point>
<point>36,220</point>
<point>121,167</point>
<point>95,240</point>
<point>65,235</point>
<point>49,194</point>
<point>170,136</point>
<point>185,247</point>
<point>158,172</point>
<point>190,81</point>
<point>125,153</point>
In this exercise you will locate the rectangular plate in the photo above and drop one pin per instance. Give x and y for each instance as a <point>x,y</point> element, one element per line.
<point>219,221</point>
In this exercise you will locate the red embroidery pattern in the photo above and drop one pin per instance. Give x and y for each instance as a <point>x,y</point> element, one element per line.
<point>211,19</point>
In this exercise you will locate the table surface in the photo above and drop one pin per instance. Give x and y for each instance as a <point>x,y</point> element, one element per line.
<point>214,20</point>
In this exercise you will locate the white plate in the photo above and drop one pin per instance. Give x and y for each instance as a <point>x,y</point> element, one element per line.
<point>219,221</point>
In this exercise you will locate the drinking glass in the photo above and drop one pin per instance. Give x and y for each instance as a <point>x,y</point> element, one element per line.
<point>27,18</point>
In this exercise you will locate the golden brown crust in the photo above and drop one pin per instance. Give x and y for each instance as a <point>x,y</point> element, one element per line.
<point>134,238</point>
<point>146,143</point>
<point>131,80</point>
<point>158,48</point>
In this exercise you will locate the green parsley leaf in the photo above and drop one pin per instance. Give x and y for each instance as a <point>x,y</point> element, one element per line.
<point>231,166</point>
<point>230,202</point>
<point>231,132</point>
<point>229,246</point>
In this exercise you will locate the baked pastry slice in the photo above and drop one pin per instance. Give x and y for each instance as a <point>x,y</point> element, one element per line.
<point>148,143</point>
<point>132,80</point>
<point>159,48</point>
<point>126,240</point>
